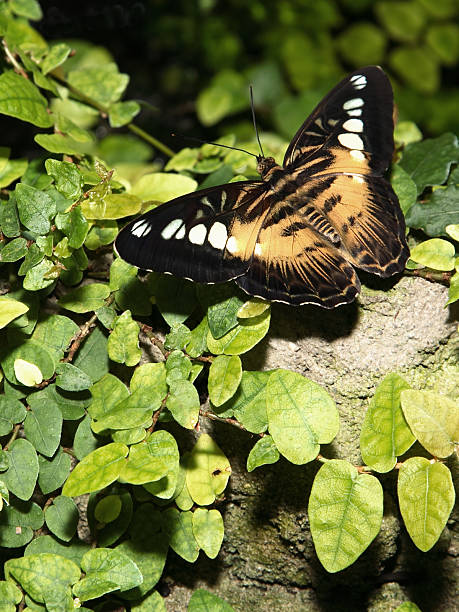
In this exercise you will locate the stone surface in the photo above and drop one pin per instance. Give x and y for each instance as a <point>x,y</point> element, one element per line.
<point>268,560</point>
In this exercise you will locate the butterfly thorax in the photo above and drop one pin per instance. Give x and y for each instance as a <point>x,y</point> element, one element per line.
<point>268,169</point>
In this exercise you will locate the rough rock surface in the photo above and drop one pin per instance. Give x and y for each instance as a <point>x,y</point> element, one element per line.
<point>268,561</point>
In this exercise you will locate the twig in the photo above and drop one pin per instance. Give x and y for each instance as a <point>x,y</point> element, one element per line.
<point>17,67</point>
<point>214,417</point>
<point>431,275</point>
<point>13,436</point>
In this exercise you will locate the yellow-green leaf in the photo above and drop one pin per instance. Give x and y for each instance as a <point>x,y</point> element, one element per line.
<point>426,497</point>
<point>434,420</point>
<point>225,374</point>
<point>207,471</point>
<point>10,309</point>
<point>435,253</point>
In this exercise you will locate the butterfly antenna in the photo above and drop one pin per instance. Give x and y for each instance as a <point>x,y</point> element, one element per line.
<point>217,144</point>
<point>254,120</point>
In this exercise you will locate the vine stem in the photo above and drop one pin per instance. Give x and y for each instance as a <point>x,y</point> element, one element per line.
<point>431,275</point>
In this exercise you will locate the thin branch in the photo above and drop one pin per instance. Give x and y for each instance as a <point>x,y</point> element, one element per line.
<point>10,57</point>
<point>13,436</point>
<point>431,275</point>
<point>214,417</point>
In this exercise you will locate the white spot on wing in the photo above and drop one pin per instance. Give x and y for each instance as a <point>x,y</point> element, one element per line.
<point>353,103</point>
<point>181,233</point>
<point>355,112</point>
<point>171,228</point>
<point>359,81</point>
<point>232,245</point>
<point>357,155</point>
<point>353,125</point>
<point>141,228</point>
<point>351,141</point>
<point>218,235</point>
<point>258,249</point>
<point>197,234</point>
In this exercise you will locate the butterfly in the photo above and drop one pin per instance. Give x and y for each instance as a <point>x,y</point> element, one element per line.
<point>297,234</point>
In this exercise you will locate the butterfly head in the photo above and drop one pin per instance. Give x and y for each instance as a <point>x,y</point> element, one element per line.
<point>265,165</point>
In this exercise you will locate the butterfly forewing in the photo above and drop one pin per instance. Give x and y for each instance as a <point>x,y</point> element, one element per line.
<point>355,116</point>
<point>207,236</point>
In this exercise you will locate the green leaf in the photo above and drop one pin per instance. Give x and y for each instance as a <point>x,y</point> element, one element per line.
<point>443,39</point>
<point>165,447</point>
<point>103,83</point>
<point>108,509</point>
<point>242,338</point>
<point>152,603</point>
<point>428,162</point>
<point>10,309</point>
<point>71,378</point>
<point>97,470</point>
<point>208,530</point>
<point>248,404</point>
<point>222,315</point>
<point>10,595</point>
<point>406,132</point>
<point>12,411</point>
<point>203,601</point>
<point>56,56</point>
<point>134,411</point>
<point>147,547</point>
<point>151,377</point>
<point>162,186</point>
<point>106,394</point>
<point>53,472</point>
<point>122,113</point>
<point>175,298</point>
<point>30,352</point>
<point>55,332</point>
<point>185,159</point>
<point>123,342</point>
<point>385,434</point>
<point>403,20</point>
<point>68,179</point>
<point>106,570</point>
<point>453,292</point>
<point>225,374</point>
<point>14,250</point>
<point>35,207</point>
<point>207,472</point>
<point>18,521</point>
<point>252,308</point>
<point>48,544</point>
<point>404,187</point>
<point>263,453</point>
<point>110,516</point>
<point>21,476</point>
<point>301,416</point>
<point>417,67</point>
<point>178,337</point>
<point>61,143</point>
<point>20,98</point>
<point>110,205</point>
<point>434,420</point>
<point>41,575</point>
<point>408,606</point>
<point>85,441</point>
<point>143,465</point>
<point>43,427</point>
<point>102,233</point>
<point>92,355</point>
<point>62,517</point>
<point>426,498</point>
<point>345,513</point>
<point>30,9</point>
<point>435,253</point>
<point>362,43</point>
<point>40,276</point>
<point>437,213</point>
<point>179,527</point>
<point>13,170</point>
<point>197,344</point>
<point>183,402</point>
<point>226,95</point>
<point>86,298</point>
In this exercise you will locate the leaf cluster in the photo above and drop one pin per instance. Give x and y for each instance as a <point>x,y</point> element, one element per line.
<point>77,391</point>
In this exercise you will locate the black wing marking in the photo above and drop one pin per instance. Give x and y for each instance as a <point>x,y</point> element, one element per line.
<point>207,236</point>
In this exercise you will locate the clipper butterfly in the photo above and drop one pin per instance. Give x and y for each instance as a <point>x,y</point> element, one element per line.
<point>298,234</point>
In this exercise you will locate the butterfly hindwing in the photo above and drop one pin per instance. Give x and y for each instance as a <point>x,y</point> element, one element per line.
<point>207,236</point>
<point>293,263</point>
